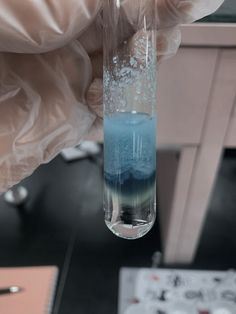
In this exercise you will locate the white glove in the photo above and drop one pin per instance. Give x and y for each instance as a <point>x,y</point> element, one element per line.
<point>51,72</point>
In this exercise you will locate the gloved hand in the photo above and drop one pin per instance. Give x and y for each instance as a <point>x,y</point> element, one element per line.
<point>51,72</point>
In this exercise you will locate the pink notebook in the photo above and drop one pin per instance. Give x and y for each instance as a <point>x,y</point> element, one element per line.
<point>38,288</point>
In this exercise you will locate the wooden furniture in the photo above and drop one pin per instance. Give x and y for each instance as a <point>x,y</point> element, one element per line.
<point>197,118</point>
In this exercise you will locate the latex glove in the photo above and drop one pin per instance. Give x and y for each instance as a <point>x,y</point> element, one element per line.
<point>50,100</point>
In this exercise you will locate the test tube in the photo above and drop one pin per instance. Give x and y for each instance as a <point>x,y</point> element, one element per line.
<point>130,70</point>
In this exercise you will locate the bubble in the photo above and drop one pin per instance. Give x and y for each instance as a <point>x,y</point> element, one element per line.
<point>115,59</point>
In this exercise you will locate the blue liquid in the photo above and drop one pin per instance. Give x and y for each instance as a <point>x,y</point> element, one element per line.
<point>129,173</point>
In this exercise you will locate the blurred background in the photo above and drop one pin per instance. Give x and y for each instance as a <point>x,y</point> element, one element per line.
<point>61,220</point>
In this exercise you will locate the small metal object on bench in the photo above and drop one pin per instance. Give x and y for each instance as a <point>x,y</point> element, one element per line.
<point>83,150</point>
<point>16,196</point>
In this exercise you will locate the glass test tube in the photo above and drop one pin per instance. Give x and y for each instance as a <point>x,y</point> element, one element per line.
<point>129,48</point>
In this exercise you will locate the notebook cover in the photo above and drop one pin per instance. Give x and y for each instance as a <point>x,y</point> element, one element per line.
<point>38,284</point>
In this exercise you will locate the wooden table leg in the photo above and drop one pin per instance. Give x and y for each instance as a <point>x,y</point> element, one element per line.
<point>174,177</point>
<point>220,108</point>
